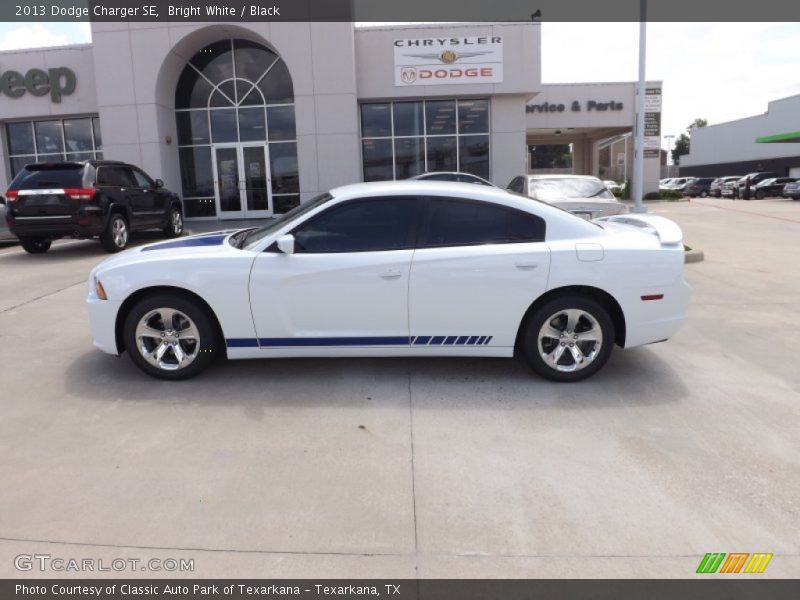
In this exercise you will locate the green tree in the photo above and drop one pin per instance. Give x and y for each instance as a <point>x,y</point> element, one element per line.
<point>682,142</point>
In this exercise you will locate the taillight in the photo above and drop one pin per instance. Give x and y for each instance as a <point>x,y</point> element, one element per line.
<point>80,193</point>
<point>11,195</point>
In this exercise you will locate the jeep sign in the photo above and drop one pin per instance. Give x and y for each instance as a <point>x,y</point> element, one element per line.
<point>453,60</point>
<point>57,82</point>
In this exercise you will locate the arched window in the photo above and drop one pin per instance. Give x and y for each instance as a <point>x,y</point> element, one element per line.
<point>237,93</point>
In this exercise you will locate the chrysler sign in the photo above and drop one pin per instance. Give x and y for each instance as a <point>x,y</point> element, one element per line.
<point>453,60</point>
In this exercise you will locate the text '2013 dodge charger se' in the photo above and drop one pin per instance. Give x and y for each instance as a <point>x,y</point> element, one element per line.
<point>410,268</point>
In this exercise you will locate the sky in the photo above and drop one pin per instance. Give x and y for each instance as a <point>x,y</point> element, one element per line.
<point>715,71</point>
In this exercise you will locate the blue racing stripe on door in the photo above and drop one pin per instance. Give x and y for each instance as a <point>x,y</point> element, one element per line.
<point>311,342</point>
<point>241,343</point>
<point>334,341</point>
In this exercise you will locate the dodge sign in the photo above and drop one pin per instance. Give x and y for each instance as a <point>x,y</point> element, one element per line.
<point>453,60</point>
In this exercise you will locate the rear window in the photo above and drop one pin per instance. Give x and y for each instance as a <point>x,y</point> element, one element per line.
<point>37,177</point>
<point>552,189</point>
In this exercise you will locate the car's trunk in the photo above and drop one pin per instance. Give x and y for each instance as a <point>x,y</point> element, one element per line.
<point>590,208</point>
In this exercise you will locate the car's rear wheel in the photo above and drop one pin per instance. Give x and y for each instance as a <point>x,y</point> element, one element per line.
<point>35,245</point>
<point>174,226</point>
<point>116,235</point>
<point>703,194</point>
<point>568,339</point>
<point>760,195</point>
<point>170,337</point>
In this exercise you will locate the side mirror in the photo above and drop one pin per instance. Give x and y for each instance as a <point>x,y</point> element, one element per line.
<point>159,183</point>
<point>286,243</point>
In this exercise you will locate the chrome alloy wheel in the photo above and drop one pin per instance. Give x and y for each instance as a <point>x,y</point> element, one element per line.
<point>177,222</point>
<point>570,340</point>
<point>167,339</point>
<point>119,232</point>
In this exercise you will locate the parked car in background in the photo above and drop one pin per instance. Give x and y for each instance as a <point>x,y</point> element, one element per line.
<point>772,187</point>
<point>582,195</point>
<point>730,189</point>
<point>679,184</point>
<point>754,179</point>
<point>664,184</point>
<point>5,232</point>
<point>93,198</point>
<point>453,176</point>
<point>398,269</point>
<point>612,186</point>
<point>716,186</point>
<point>792,190</point>
<point>698,186</point>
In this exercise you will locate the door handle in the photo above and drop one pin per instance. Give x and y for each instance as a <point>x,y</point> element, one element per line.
<point>526,265</point>
<point>390,274</point>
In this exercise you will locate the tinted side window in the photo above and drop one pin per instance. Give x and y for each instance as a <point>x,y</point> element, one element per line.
<point>142,180</point>
<point>453,222</point>
<point>114,176</point>
<point>371,224</point>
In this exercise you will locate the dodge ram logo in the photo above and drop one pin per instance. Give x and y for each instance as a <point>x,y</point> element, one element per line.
<point>408,75</point>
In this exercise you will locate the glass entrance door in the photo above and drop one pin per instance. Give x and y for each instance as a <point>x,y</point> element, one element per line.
<point>242,181</point>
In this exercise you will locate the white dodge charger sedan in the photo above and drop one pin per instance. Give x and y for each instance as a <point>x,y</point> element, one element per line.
<point>411,268</point>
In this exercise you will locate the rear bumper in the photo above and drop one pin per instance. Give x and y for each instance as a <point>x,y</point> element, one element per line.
<point>103,321</point>
<point>81,225</point>
<point>655,321</point>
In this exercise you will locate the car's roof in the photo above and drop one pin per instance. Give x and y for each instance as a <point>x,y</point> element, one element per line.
<point>563,176</point>
<point>72,164</point>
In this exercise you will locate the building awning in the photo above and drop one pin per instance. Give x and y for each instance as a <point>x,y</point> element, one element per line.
<point>785,138</point>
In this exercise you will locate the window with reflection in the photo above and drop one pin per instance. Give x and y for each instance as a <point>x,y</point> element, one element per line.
<point>52,140</point>
<point>230,92</point>
<point>407,138</point>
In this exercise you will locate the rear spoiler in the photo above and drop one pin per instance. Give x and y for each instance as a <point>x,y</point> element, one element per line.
<point>667,231</point>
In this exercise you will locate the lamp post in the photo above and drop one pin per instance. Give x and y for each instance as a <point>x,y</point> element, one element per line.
<point>669,139</point>
<point>638,161</point>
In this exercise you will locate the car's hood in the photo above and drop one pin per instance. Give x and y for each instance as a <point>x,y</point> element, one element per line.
<point>193,245</point>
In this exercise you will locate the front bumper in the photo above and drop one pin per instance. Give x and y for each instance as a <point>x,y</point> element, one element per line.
<point>103,322</point>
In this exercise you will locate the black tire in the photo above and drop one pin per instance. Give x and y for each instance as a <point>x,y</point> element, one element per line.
<point>718,194</point>
<point>113,239</point>
<point>600,350</point>
<point>174,226</point>
<point>704,194</point>
<point>204,352</point>
<point>760,195</point>
<point>35,245</point>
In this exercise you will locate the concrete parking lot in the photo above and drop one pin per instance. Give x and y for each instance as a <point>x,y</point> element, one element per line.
<point>416,468</point>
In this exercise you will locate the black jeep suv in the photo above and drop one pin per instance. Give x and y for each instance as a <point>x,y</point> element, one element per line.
<point>93,198</point>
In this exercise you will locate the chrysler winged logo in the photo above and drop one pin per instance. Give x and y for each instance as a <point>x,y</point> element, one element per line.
<point>408,75</point>
<point>448,57</point>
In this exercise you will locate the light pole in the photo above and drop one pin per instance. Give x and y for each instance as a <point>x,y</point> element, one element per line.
<point>669,139</point>
<point>638,161</point>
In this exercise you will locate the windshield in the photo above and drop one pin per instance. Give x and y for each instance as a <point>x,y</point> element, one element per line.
<point>556,188</point>
<point>256,235</point>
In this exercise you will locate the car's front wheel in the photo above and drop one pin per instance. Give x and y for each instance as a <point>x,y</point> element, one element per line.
<point>568,339</point>
<point>116,235</point>
<point>35,245</point>
<point>174,227</point>
<point>760,195</point>
<point>170,336</point>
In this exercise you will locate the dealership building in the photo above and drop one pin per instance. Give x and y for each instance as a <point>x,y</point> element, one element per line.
<point>766,142</point>
<point>248,120</point>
